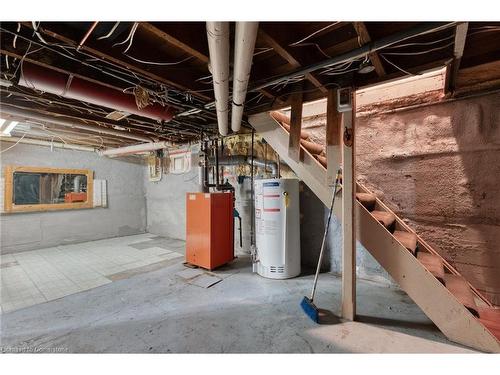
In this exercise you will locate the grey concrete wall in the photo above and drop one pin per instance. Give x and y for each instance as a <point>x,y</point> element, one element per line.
<point>125,214</point>
<point>166,202</point>
<point>314,216</point>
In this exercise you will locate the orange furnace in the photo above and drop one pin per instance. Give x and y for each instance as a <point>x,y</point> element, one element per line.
<point>209,229</point>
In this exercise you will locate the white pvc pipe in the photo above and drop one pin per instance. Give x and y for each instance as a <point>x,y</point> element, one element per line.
<point>244,44</point>
<point>40,142</point>
<point>218,47</point>
<point>134,149</point>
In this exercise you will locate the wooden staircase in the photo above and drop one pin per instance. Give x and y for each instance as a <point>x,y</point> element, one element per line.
<point>455,306</point>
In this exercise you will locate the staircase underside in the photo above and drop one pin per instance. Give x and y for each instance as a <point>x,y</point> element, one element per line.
<point>392,250</point>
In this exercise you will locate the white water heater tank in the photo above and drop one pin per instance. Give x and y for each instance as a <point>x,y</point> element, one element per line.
<point>277,228</point>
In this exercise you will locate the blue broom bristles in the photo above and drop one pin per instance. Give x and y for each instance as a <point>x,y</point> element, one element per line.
<point>310,309</point>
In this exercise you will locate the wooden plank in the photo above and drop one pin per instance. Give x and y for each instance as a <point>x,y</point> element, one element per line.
<point>174,41</point>
<point>480,77</point>
<point>348,220</point>
<point>333,125</point>
<point>364,38</point>
<point>458,51</point>
<point>295,127</point>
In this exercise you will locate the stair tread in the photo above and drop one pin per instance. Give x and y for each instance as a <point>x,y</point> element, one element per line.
<point>384,217</point>
<point>368,200</point>
<point>433,263</point>
<point>459,287</point>
<point>408,239</point>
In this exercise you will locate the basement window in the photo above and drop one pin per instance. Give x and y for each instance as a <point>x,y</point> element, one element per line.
<point>28,189</point>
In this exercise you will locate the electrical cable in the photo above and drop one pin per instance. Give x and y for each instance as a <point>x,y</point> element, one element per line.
<point>159,63</point>
<point>419,52</point>
<point>14,145</point>
<point>314,33</point>
<point>110,32</point>
<point>396,66</point>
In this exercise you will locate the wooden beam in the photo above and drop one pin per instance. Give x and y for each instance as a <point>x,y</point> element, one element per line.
<point>333,125</point>
<point>364,38</point>
<point>295,127</point>
<point>174,41</point>
<point>348,219</point>
<point>458,51</point>
<point>289,57</point>
<point>106,57</point>
<point>478,78</point>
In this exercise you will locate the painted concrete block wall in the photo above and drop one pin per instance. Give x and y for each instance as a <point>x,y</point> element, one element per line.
<point>125,214</point>
<point>166,202</point>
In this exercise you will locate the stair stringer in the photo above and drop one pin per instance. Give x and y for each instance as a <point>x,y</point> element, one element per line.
<point>442,307</point>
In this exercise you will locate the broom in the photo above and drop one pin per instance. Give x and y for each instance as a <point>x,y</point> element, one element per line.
<point>307,304</point>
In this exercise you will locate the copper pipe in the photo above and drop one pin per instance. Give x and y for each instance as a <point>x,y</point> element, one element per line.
<point>85,37</point>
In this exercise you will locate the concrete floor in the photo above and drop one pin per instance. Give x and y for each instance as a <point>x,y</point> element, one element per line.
<point>157,310</point>
<point>32,277</point>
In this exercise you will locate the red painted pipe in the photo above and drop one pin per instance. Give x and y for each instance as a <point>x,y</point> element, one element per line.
<point>67,86</point>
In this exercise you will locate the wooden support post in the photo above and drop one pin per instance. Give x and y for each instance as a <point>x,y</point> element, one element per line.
<point>348,219</point>
<point>295,127</point>
<point>333,125</point>
<point>458,51</point>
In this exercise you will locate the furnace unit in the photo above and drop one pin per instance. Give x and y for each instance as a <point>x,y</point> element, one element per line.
<point>209,229</point>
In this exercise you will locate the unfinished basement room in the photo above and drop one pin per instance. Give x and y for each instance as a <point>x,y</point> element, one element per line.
<point>238,186</point>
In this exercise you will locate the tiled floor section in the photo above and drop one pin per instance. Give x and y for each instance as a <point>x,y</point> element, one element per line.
<point>33,277</point>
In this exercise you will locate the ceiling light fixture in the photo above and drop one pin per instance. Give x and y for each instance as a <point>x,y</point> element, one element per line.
<point>7,126</point>
<point>366,67</point>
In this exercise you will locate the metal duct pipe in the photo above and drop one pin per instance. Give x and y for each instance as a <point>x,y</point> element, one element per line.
<point>134,149</point>
<point>39,142</point>
<point>244,44</point>
<point>234,160</point>
<point>218,47</point>
<point>68,86</point>
<point>20,114</point>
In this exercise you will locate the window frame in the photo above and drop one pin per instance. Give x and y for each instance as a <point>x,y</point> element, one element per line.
<point>10,207</point>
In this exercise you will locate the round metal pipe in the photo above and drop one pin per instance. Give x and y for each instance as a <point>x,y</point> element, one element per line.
<point>68,86</point>
<point>244,44</point>
<point>218,47</point>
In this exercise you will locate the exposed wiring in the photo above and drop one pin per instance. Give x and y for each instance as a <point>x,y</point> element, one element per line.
<point>132,30</point>
<point>315,45</point>
<point>262,50</point>
<point>420,43</point>
<point>14,145</point>
<point>419,52</point>
<point>159,63</point>
<point>314,33</point>
<point>396,66</point>
<point>110,32</point>
<point>15,36</point>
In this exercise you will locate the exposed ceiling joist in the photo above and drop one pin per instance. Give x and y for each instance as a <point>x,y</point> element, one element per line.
<point>290,58</point>
<point>364,38</point>
<point>107,57</point>
<point>458,51</point>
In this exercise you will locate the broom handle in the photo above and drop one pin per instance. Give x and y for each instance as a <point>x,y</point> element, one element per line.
<point>324,236</point>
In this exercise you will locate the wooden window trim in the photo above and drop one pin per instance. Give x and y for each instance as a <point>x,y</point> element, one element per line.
<point>10,207</point>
